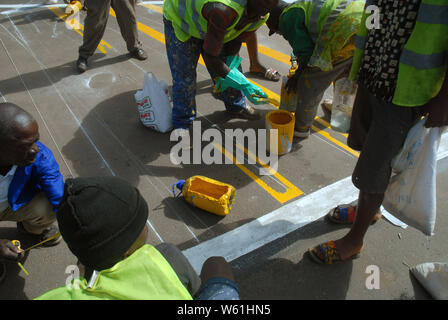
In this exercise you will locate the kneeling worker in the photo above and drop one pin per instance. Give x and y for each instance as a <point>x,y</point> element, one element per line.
<point>103,220</point>
<point>321,34</point>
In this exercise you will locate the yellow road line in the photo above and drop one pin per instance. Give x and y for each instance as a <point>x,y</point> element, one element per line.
<point>335,141</point>
<point>154,7</point>
<point>291,191</point>
<point>72,23</point>
<point>327,125</point>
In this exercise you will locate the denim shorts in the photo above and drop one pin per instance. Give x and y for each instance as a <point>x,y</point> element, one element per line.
<point>219,289</point>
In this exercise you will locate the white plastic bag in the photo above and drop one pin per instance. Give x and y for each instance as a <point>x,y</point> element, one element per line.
<point>411,194</point>
<point>433,276</point>
<point>153,104</point>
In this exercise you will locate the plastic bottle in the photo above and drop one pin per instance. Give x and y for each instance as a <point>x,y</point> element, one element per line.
<point>207,194</point>
<point>288,101</point>
<point>344,97</point>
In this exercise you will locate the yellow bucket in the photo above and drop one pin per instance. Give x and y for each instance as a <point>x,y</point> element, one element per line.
<point>284,122</point>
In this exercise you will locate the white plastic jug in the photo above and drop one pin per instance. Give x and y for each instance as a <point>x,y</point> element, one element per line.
<point>344,97</point>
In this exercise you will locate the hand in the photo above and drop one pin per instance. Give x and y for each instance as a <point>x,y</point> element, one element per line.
<point>437,111</point>
<point>437,108</point>
<point>235,79</point>
<point>255,95</point>
<point>292,83</point>
<point>9,251</point>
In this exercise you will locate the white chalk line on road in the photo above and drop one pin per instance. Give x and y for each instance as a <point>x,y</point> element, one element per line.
<point>282,221</point>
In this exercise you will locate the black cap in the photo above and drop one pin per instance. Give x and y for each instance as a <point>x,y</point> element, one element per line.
<point>100,218</point>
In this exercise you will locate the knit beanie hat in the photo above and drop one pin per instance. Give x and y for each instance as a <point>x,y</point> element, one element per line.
<point>100,218</point>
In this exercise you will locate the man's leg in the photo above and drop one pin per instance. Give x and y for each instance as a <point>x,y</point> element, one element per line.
<point>255,65</point>
<point>36,216</point>
<point>94,26</point>
<point>218,282</point>
<point>310,90</point>
<point>183,59</point>
<point>125,12</point>
<point>368,206</point>
<point>378,129</point>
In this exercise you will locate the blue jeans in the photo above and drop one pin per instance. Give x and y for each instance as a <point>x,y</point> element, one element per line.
<point>219,289</point>
<point>183,59</point>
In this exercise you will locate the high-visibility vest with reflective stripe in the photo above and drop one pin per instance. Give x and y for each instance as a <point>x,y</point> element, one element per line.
<point>187,20</point>
<point>423,62</point>
<point>145,275</point>
<point>330,24</point>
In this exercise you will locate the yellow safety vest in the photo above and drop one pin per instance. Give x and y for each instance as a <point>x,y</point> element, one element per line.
<point>187,20</point>
<point>330,24</point>
<point>145,275</point>
<point>423,62</point>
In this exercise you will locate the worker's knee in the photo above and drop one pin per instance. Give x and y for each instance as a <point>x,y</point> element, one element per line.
<point>216,267</point>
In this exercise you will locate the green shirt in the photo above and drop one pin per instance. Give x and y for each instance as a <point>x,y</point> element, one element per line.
<point>292,27</point>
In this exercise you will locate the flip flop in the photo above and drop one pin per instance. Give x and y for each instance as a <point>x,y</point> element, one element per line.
<point>347,214</point>
<point>270,74</point>
<point>330,254</point>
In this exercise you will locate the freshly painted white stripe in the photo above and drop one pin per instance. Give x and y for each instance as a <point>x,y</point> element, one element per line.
<point>274,225</point>
<point>281,221</point>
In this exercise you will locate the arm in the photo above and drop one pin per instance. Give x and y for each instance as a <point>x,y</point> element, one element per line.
<point>49,177</point>
<point>292,27</point>
<point>437,108</point>
<point>220,18</point>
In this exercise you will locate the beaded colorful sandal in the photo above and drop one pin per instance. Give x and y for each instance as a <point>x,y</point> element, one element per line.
<point>345,214</point>
<point>329,253</point>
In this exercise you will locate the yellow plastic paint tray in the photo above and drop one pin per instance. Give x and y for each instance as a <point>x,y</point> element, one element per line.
<point>207,194</point>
